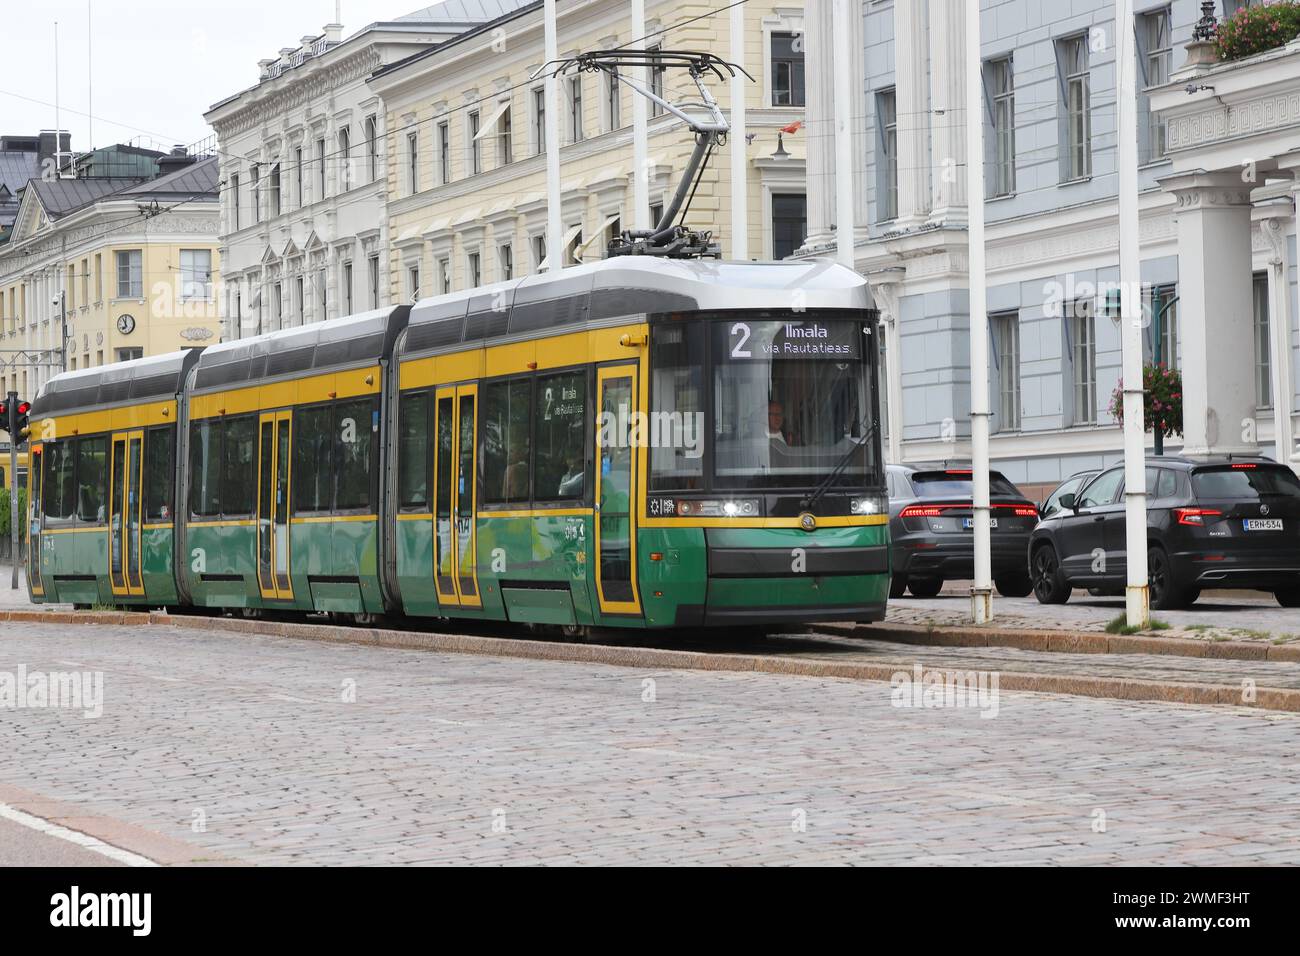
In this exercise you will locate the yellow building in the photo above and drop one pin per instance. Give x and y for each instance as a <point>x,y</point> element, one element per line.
<point>127,265</point>
<point>466,151</point>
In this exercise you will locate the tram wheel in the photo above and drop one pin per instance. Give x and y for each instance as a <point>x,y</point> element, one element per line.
<point>365,619</point>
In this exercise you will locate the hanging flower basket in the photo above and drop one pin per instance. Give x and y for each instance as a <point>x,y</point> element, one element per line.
<point>1162,400</point>
<point>1257,29</point>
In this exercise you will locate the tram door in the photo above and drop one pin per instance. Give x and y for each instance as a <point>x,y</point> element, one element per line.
<point>125,502</point>
<point>274,432</point>
<point>615,516</point>
<point>34,504</point>
<point>455,496</point>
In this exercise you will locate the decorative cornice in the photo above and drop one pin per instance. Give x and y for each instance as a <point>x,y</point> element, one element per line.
<point>1229,122</point>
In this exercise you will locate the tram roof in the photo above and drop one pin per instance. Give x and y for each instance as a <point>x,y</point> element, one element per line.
<point>354,340</point>
<point>156,378</point>
<point>629,285</point>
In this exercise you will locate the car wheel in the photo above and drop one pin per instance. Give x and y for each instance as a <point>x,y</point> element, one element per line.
<point>897,585</point>
<point>925,587</point>
<point>1050,586</point>
<point>1167,593</point>
<point>1288,597</point>
<point>1017,584</point>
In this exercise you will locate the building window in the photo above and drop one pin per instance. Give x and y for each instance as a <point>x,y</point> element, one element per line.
<point>656,213</point>
<point>130,280</point>
<point>277,305</point>
<point>1002,90</point>
<point>256,173</point>
<point>1263,349</point>
<point>299,300</point>
<point>1162,309</point>
<point>887,168</point>
<point>273,189</point>
<point>234,202</point>
<point>789,223</point>
<point>539,251</point>
<point>372,265</point>
<point>413,163</point>
<point>539,120</point>
<point>372,147</point>
<point>473,270</point>
<point>1156,54</point>
<point>297,174</point>
<point>1006,351</point>
<point>613,104</point>
<point>505,143</point>
<point>575,109</point>
<point>474,153</point>
<point>613,232</point>
<point>657,73</point>
<point>787,70</point>
<point>444,271</point>
<point>347,288</point>
<point>1075,84</point>
<point>444,152</point>
<point>506,256</point>
<point>131,354</point>
<point>413,282</point>
<point>320,172</point>
<point>1083,358</point>
<point>196,274</point>
<point>85,286</point>
<point>345,159</point>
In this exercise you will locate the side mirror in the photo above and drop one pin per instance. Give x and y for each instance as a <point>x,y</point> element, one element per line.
<point>1067,500</point>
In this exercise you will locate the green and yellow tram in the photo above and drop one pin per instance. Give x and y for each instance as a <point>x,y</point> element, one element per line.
<point>634,442</point>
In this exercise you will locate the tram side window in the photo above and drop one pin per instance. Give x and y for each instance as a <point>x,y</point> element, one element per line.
<point>239,466</point>
<point>313,459</point>
<point>205,468</point>
<point>677,397</point>
<point>507,417</point>
<point>414,450</point>
<point>561,470</point>
<point>60,498</point>
<point>159,474</point>
<point>92,476</point>
<point>354,437</point>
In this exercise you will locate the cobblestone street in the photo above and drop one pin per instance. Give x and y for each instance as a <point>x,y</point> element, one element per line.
<point>253,748</point>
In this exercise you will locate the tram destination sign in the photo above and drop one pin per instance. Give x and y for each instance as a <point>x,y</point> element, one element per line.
<point>775,341</point>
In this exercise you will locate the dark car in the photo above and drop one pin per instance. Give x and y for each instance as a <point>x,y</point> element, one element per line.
<point>931,530</point>
<point>1212,522</point>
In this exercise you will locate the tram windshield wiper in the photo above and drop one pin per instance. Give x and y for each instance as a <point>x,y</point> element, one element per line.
<point>826,483</point>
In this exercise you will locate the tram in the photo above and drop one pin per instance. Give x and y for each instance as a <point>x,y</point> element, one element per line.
<point>635,442</point>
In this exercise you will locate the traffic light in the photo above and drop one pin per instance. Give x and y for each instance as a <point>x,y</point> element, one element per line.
<point>14,416</point>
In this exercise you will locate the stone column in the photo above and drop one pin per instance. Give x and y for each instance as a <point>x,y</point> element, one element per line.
<point>948,100</point>
<point>912,98</point>
<point>1214,311</point>
<point>819,125</point>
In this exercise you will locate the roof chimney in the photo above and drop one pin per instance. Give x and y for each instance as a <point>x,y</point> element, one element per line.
<point>178,158</point>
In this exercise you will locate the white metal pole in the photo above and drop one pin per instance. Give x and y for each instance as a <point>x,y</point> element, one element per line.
<point>739,161</point>
<point>841,26</point>
<point>1136,597</point>
<point>981,592</point>
<point>640,218</point>
<point>554,229</point>
<point>58,140</point>
<point>90,78</point>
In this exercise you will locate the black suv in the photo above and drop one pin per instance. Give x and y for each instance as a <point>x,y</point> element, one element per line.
<point>1212,522</point>
<point>931,536</point>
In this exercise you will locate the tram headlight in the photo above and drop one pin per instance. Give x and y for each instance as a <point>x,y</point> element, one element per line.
<point>719,508</point>
<point>870,505</point>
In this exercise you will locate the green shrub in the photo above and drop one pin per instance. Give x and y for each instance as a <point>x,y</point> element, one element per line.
<point>1257,29</point>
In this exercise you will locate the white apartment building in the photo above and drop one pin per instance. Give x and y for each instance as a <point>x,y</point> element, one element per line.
<point>304,231</point>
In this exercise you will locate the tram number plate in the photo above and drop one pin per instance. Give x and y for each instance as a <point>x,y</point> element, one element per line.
<point>969,523</point>
<point>661,507</point>
<point>1262,524</point>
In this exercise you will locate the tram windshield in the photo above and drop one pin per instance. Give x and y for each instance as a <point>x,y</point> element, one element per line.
<point>789,398</point>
